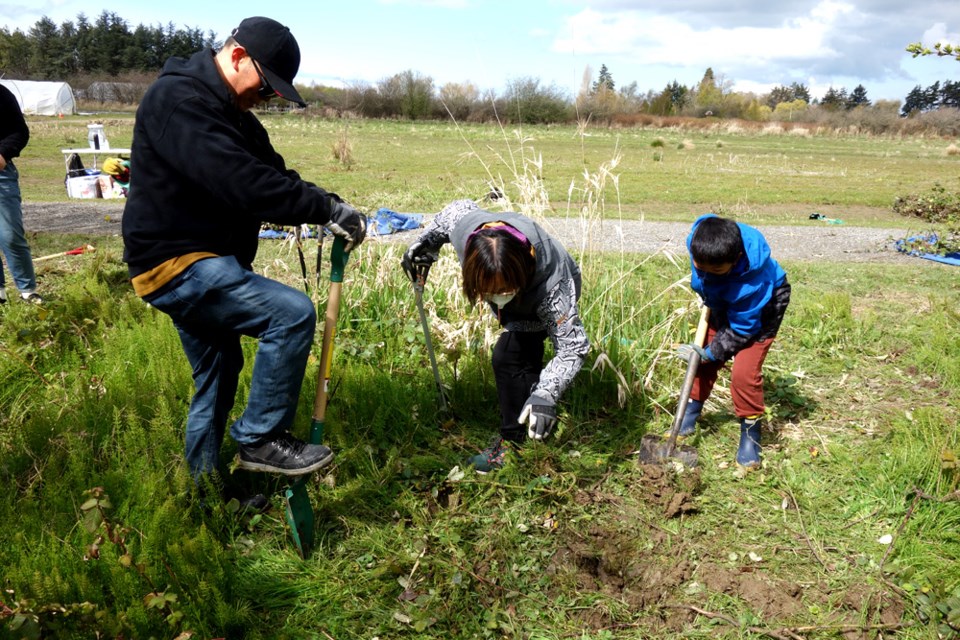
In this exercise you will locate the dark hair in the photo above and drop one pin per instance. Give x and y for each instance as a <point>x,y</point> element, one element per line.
<point>494,261</point>
<point>716,241</point>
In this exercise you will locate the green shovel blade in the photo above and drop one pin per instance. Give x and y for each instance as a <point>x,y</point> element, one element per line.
<point>300,516</point>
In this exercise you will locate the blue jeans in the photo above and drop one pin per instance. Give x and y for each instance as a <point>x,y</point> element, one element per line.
<point>213,303</point>
<point>13,242</point>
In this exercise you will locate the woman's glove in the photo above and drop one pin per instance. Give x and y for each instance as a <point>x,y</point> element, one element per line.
<point>424,251</point>
<point>540,415</point>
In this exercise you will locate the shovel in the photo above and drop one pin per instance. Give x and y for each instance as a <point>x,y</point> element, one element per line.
<point>72,252</point>
<point>653,449</point>
<point>299,510</point>
<point>421,278</point>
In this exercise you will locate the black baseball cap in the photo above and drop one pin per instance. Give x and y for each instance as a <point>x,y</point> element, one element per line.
<point>276,51</point>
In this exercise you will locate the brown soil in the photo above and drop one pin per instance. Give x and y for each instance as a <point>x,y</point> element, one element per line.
<point>634,561</point>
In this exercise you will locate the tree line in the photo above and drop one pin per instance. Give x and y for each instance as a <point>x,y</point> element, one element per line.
<point>108,49</point>
<point>106,46</point>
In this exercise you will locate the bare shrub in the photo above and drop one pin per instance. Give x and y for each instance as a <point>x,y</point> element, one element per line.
<point>944,121</point>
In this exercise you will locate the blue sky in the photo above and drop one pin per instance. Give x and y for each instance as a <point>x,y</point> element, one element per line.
<point>752,45</point>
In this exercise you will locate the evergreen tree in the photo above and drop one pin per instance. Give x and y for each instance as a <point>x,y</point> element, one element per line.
<point>834,99</point>
<point>950,94</point>
<point>45,50</point>
<point>858,98</point>
<point>709,96</point>
<point>914,102</point>
<point>931,96</point>
<point>604,81</point>
<point>801,92</point>
<point>777,95</point>
<point>678,95</point>
<point>15,52</point>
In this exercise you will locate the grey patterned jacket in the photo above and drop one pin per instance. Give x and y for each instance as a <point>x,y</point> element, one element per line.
<point>549,304</point>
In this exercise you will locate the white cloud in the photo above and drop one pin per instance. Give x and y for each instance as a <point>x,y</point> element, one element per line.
<point>938,33</point>
<point>666,39</point>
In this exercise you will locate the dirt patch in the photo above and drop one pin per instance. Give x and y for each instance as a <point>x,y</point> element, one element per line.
<point>94,217</point>
<point>617,564</point>
<point>672,492</point>
<point>769,599</point>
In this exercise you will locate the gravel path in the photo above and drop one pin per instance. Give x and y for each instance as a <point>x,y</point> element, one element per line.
<point>817,241</point>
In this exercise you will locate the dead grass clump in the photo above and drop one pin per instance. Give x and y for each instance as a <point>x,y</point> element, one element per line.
<point>772,130</point>
<point>686,144</point>
<point>802,132</point>
<point>952,150</point>
<point>343,149</point>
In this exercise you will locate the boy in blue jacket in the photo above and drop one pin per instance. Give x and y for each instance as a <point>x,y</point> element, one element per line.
<point>747,293</point>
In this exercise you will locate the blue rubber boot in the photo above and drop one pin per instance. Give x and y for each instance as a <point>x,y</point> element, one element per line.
<point>748,454</point>
<point>689,424</point>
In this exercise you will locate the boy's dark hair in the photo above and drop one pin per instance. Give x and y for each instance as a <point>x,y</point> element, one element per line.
<point>716,241</point>
<point>495,262</point>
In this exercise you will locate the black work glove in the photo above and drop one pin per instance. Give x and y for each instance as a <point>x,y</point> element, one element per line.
<point>347,223</point>
<point>539,414</point>
<point>424,251</point>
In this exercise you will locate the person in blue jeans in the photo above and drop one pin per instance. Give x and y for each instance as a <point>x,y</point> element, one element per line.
<point>14,135</point>
<point>204,178</point>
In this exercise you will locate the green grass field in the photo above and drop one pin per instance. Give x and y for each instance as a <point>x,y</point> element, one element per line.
<point>412,166</point>
<point>850,530</point>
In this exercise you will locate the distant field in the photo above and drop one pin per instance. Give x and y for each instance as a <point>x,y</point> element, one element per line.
<point>661,174</point>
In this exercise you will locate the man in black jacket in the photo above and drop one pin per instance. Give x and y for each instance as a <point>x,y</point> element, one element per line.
<point>14,135</point>
<point>205,177</point>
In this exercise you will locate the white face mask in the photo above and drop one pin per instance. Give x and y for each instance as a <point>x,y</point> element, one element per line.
<point>500,299</point>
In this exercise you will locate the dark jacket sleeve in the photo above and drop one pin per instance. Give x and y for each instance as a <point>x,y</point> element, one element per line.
<point>252,182</point>
<point>727,342</point>
<point>14,133</point>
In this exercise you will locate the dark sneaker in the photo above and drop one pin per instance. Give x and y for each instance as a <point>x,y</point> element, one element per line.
<point>491,458</point>
<point>284,454</point>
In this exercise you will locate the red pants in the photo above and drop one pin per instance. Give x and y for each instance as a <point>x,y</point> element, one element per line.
<point>746,377</point>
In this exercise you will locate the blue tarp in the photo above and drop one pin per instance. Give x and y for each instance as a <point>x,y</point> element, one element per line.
<point>386,221</point>
<point>913,245</point>
<point>274,234</point>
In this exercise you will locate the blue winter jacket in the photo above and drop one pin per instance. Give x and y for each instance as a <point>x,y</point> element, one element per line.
<point>747,303</point>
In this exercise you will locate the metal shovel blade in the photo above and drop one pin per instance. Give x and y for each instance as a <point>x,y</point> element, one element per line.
<point>653,448</point>
<point>657,450</point>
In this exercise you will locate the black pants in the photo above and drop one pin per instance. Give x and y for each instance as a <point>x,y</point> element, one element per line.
<point>517,363</point>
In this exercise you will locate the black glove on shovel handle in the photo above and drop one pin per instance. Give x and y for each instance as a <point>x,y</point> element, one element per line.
<point>419,277</point>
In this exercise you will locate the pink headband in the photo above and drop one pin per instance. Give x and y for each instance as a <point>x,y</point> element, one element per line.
<point>500,226</point>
